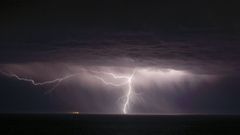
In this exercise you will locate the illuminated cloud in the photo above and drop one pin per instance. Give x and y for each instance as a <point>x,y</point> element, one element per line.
<point>133,82</point>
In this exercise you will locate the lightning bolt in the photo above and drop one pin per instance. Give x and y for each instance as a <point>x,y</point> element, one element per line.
<point>33,82</point>
<point>128,82</point>
<point>58,81</point>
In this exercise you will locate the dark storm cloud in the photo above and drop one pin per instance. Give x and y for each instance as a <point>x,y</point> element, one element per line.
<point>132,49</point>
<point>45,40</point>
<point>185,35</point>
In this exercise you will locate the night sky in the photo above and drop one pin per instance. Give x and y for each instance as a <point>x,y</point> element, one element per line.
<point>185,54</point>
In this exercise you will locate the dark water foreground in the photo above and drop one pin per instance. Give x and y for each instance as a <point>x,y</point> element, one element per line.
<point>68,124</point>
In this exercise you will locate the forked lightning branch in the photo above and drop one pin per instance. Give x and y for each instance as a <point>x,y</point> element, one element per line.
<point>127,82</point>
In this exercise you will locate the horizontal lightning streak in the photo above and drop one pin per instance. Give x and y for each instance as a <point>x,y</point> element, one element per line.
<point>59,80</point>
<point>110,83</point>
<point>45,82</point>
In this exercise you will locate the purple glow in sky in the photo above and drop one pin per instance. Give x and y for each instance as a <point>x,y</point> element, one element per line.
<point>132,82</point>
